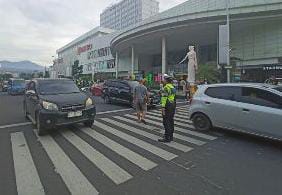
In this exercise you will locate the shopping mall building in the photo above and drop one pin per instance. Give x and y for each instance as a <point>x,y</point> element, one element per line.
<point>157,44</point>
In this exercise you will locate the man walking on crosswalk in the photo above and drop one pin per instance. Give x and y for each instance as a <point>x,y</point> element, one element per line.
<point>168,104</point>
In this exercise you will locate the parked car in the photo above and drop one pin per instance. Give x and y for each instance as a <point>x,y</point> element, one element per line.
<point>252,108</point>
<point>97,89</point>
<point>16,86</point>
<point>122,91</point>
<point>49,103</point>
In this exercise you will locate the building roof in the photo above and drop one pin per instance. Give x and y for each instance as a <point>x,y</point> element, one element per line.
<point>85,36</point>
<point>197,9</point>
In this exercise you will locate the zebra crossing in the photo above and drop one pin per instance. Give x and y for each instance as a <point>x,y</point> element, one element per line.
<point>114,133</point>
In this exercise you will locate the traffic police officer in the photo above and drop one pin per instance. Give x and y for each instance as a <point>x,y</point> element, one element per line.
<point>168,104</point>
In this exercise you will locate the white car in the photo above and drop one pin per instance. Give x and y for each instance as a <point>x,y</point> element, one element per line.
<point>252,108</point>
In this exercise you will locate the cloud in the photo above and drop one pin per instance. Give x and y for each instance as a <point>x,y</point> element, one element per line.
<point>35,29</point>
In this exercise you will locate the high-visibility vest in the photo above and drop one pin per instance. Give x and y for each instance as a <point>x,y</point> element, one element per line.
<point>168,94</point>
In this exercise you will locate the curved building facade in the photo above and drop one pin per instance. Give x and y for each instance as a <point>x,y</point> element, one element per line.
<point>156,45</point>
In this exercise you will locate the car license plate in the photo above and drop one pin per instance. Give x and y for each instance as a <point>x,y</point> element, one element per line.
<point>74,114</point>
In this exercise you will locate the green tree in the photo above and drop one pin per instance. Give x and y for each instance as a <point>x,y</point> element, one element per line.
<point>76,70</point>
<point>209,72</point>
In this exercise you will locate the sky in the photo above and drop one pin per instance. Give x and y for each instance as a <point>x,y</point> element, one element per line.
<point>34,29</point>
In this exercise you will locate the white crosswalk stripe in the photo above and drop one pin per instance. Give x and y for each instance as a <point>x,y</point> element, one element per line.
<point>142,144</point>
<point>175,118</point>
<point>27,179</point>
<point>126,128</point>
<point>175,121</point>
<point>178,129</point>
<point>174,145</point>
<point>76,182</point>
<point>187,139</point>
<point>133,157</point>
<point>113,171</point>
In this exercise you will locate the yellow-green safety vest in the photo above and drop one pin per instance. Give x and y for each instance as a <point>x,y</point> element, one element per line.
<point>168,94</point>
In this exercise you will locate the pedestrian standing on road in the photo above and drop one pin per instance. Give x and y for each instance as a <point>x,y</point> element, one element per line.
<point>168,103</point>
<point>140,99</point>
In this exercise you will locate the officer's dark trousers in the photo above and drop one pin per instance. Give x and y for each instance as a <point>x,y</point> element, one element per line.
<point>168,120</point>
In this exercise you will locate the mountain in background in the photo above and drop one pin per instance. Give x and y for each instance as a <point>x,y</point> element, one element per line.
<point>21,66</point>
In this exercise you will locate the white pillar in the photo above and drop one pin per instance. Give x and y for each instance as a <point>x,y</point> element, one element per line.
<point>163,55</point>
<point>132,61</point>
<point>116,63</point>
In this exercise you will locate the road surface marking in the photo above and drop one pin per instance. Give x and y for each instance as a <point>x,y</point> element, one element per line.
<point>112,170</point>
<point>175,121</point>
<point>113,111</point>
<point>181,137</point>
<point>15,125</point>
<point>152,128</point>
<point>142,144</point>
<point>76,182</point>
<point>154,137</point>
<point>133,157</point>
<point>27,179</point>
<point>175,118</point>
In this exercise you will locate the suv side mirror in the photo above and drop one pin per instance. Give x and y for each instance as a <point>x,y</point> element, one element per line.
<point>30,92</point>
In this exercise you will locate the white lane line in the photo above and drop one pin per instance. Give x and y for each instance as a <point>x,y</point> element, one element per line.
<point>154,137</point>
<point>175,118</point>
<point>76,182</point>
<point>112,170</point>
<point>133,157</point>
<point>186,131</point>
<point>113,111</point>
<point>175,122</point>
<point>140,143</point>
<point>184,138</point>
<point>27,179</point>
<point>15,125</point>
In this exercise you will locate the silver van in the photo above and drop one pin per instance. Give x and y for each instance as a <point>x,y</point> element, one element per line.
<point>252,108</point>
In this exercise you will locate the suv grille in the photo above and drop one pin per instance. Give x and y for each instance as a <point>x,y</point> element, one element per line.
<point>69,108</point>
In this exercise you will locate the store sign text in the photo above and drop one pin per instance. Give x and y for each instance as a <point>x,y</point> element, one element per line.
<point>84,49</point>
<point>99,53</point>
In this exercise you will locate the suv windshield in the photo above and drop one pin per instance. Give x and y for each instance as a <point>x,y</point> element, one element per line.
<point>57,87</point>
<point>19,83</point>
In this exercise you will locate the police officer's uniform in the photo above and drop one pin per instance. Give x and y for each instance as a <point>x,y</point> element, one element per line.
<point>168,103</point>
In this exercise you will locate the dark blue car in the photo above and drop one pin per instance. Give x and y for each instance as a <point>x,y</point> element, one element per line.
<point>16,86</point>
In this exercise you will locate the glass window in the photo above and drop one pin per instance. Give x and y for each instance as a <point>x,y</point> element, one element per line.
<point>226,93</point>
<point>49,87</point>
<point>260,97</point>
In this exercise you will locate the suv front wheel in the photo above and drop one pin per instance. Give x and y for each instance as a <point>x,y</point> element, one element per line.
<point>89,123</point>
<point>40,130</point>
<point>201,122</point>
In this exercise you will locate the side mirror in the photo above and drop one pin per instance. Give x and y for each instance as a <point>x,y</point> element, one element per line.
<point>30,92</point>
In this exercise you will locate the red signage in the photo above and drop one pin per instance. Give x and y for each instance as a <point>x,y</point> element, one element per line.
<point>84,49</point>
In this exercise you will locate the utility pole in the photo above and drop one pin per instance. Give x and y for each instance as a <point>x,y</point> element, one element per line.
<point>228,67</point>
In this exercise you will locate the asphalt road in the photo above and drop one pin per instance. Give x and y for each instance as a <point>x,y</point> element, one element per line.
<point>120,156</point>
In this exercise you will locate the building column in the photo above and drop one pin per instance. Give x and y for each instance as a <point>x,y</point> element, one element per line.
<point>116,63</point>
<point>132,61</point>
<point>163,55</point>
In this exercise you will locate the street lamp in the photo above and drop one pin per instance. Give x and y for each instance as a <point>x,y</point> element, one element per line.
<point>228,67</point>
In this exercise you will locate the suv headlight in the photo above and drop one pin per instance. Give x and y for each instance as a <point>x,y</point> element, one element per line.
<point>88,102</point>
<point>49,106</point>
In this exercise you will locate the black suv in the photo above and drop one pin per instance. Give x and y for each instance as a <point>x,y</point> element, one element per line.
<point>122,91</point>
<point>54,102</point>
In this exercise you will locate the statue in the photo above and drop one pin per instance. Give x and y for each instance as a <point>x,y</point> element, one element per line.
<point>192,65</point>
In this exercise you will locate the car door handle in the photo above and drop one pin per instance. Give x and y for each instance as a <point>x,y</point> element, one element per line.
<point>208,103</point>
<point>246,110</point>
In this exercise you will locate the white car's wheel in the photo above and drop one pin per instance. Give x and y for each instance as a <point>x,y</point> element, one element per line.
<point>201,122</point>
